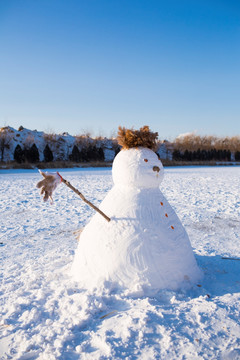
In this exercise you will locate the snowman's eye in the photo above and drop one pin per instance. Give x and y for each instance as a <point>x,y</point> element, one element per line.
<point>146,160</point>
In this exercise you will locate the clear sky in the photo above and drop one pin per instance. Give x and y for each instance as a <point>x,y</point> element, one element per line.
<point>92,65</point>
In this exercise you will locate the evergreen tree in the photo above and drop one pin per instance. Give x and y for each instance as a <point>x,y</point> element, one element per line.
<point>176,155</point>
<point>198,154</point>
<point>229,155</point>
<point>220,155</point>
<point>100,154</point>
<point>31,154</point>
<point>190,156</point>
<point>237,155</point>
<point>214,154</point>
<point>204,155</point>
<point>75,155</point>
<point>186,155</point>
<point>92,153</point>
<point>19,154</point>
<point>48,155</point>
<point>84,155</point>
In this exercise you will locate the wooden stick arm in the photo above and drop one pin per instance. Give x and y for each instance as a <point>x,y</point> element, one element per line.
<point>67,183</point>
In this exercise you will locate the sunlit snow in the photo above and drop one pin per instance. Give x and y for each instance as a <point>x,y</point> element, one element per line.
<point>45,315</point>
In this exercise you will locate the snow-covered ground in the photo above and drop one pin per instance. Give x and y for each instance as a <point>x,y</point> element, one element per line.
<point>45,315</point>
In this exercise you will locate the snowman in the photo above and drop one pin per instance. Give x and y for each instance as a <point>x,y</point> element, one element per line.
<point>144,247</point>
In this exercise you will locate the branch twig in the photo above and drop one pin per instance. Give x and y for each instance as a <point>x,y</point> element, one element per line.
<point>67,183</point>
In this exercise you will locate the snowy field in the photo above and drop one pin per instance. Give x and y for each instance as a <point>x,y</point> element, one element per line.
<point>45,315</point>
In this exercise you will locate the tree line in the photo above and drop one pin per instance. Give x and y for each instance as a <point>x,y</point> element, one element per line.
<point>189,147</point>
<point>205,155</point>
<point>56,147</point>
<point>192,147</point>
<point>31,154</point>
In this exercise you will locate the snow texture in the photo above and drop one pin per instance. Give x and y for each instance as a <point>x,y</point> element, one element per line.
<point>144,248</point>
<point>44,313</point>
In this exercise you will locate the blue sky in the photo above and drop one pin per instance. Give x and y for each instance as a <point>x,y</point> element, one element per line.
<point>93,65</point>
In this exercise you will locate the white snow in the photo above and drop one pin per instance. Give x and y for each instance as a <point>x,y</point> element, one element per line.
<point>45,315</point>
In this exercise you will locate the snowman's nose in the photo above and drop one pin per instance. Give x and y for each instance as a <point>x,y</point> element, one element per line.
<point>156,168</point>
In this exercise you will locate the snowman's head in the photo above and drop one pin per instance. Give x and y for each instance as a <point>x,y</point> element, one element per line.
<point>137,167</point>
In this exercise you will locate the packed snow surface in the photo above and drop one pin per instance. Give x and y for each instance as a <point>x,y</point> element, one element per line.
<point>144,248</point>
<point>46,315</point>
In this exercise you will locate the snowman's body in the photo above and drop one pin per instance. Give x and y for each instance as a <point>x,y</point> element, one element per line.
<point>144,248</point>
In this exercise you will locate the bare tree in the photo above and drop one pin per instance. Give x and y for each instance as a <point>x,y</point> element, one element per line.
<point>50,138</point>
<point>235,143</point>
<point>193,142</point>
<point>83,141</point>
<point>29,141</point>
